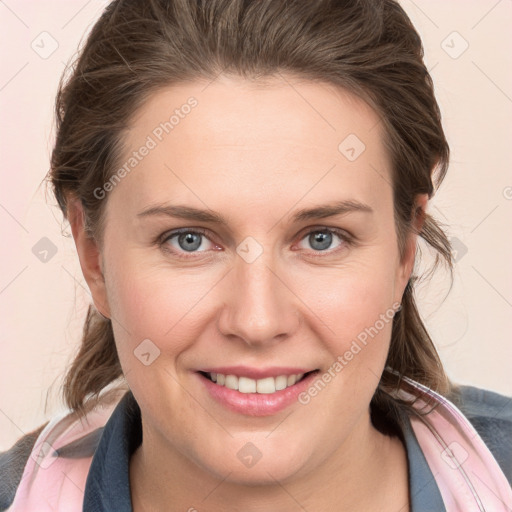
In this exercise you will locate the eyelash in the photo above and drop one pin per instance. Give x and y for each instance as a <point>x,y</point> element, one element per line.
<point>345,237</point>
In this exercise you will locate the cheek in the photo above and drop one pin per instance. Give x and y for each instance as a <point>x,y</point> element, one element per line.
<point>347,300</point>
<point>164,305</point>
<point>352,313</point>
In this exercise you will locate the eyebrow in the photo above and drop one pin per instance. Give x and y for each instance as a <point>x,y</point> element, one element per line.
<point>210,216</point>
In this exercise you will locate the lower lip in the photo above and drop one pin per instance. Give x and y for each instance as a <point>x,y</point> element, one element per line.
<point>257,404</point>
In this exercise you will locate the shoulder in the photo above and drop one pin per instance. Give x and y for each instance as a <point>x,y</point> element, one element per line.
<point>63,446</point>
<point>12,465</point>
<point>490,413</point>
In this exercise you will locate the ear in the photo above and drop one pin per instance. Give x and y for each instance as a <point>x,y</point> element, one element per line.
<point>407,264</point>
<point>89,256</point>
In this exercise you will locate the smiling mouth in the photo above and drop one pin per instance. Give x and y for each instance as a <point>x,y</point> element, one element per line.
<point>267,385</point>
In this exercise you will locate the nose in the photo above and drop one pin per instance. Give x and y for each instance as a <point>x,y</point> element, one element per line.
<point>259,306</point>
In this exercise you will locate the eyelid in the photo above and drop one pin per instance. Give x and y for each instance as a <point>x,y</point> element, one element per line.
<point>173,232</point>
<point>313,229</point>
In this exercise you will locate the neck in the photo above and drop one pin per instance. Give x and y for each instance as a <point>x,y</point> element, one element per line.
<point>368,472</point>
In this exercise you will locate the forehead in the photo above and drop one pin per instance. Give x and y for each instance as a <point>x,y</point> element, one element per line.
<point>235,110</point>
<point>276,140</point>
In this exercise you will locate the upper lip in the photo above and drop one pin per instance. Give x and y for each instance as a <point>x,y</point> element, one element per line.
<point>256,373</point>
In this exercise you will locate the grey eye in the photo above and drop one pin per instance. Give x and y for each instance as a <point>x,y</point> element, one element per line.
<point>320,240</point>
<point>189,241</point>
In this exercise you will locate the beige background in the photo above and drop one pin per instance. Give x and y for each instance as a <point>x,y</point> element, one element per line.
<point>42,304</point>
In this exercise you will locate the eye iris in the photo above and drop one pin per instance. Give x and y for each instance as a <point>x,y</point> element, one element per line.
<point>324,238</point>
<point>190,244</point>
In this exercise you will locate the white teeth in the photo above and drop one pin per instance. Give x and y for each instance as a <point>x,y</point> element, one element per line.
<point>281,382</point>
<point>231,382</point>
<point>246,385</point>
<point>268,385</point>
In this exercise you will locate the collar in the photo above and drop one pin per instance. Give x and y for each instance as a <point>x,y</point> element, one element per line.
<point>108,483</point>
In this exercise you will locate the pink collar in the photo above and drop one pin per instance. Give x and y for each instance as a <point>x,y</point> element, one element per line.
<point>467,474</point>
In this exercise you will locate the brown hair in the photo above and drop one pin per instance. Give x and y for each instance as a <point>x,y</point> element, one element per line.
<point>368,47</point>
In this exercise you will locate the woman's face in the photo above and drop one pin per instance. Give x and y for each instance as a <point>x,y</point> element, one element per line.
<point>265,293</point>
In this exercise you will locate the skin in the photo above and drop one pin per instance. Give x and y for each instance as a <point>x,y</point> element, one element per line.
<point>256,154</point>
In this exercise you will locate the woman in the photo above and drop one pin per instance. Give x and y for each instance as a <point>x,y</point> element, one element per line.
<point>246,184</point>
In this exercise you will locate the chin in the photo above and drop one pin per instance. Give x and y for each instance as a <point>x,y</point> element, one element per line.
<point>257,462</point>
<point>262,473</point>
